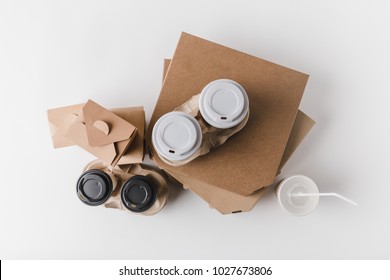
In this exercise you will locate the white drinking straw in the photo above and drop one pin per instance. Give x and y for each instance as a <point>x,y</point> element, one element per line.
<point>326,194</point>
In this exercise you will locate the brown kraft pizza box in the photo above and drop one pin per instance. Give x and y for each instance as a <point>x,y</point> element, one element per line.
<point>227,202</point>
<point>250,159</point>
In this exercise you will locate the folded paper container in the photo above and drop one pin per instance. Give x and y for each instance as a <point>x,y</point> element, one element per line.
<point>115,137</point>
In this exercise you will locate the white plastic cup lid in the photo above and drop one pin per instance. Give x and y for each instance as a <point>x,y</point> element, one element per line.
<point>223,103</point>
<point>176,136</point>
<point>288,195</point>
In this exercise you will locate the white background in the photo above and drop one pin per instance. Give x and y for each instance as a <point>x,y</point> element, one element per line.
<point>57,53</point>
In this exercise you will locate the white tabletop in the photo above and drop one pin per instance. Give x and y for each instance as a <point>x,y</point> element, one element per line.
<point>60,53</point>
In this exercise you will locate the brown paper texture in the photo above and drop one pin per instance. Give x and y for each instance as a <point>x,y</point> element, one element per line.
<point>60,120</point>
<point>105,127</point>
<point>228,202</point>
<point>274,95</point>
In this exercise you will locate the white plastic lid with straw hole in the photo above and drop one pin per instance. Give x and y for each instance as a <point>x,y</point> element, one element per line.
<point>299,195</point>
<point>176,136</point>
<point>223,103</point>
<point>288,195</point>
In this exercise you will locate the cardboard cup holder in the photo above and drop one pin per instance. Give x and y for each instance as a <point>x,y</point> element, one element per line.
<point>135,188</point>
<point>202,123</point>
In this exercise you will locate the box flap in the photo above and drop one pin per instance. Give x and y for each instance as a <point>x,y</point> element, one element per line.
<point>136,152</point>
<point>60,120</point>
<point>226,202</point>
<point>302,125</point>
<point>105,127</point>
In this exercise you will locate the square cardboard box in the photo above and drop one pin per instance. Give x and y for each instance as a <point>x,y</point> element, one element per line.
<point>249,160</point>
<point>227,202</point>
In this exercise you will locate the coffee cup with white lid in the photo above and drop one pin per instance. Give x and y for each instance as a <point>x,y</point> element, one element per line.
<point>223,103</point>
<point>176,136</point>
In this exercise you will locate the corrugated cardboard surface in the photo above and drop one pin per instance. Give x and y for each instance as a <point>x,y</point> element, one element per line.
<point>251,158</point>
<point>226,201</point>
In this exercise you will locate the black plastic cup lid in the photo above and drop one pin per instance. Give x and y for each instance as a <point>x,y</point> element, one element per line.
<point>94,187</point>
<point>138,193</point>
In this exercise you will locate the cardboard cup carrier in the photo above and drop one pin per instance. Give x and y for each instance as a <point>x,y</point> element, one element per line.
<point>136,188</point>
<point>202,123</point>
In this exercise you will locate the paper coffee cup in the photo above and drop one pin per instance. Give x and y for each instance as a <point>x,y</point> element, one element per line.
<point>223,103</point>
<point>94,187</point>
<point>138,193</point>
<point>176,136</point>
<point>288,193</point>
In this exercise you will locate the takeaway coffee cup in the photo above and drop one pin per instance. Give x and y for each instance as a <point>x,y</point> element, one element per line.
<point>223,103</point>
<point>94,187</point>
<point>136,188</point>
<point>202,123</point>
<point>177,136</point>
<point>298,195</point>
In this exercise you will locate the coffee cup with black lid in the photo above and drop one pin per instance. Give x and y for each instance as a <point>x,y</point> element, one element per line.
<point>94,187</point>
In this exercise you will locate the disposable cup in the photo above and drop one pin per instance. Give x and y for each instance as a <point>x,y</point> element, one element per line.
<point>290,193</point>
<point>176,136</point>
<point>223,103</point>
